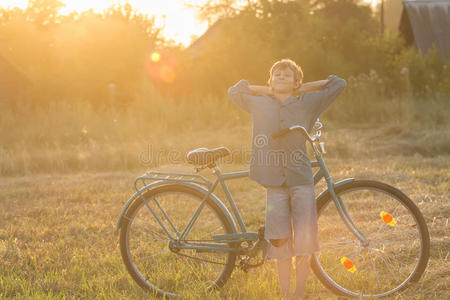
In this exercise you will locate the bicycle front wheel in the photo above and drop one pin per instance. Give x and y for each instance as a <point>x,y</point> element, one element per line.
<point>397,248</point>
<point>154,259</point>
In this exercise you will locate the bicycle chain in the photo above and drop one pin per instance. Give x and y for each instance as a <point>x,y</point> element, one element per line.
<point>243,263</point>
<point>244,266</point>
<point>200,259</point>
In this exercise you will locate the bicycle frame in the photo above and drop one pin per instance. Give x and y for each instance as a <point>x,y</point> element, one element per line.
<point>243,235</point>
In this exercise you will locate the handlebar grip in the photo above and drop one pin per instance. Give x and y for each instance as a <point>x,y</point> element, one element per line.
<point>281,132</point>
<point>295,127</point>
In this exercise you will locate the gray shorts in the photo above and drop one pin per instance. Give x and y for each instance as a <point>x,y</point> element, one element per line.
<point>291,213</point>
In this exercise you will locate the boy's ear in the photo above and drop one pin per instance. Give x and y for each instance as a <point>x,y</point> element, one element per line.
<point>297,88</point>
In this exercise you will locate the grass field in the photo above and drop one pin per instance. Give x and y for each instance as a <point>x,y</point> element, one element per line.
<point>57,231</point>
<point>67,171</point>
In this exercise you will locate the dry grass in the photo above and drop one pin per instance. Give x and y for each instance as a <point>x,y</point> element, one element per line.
<point>57,231</point>
<point>67,171</point>
<point>76,137</point>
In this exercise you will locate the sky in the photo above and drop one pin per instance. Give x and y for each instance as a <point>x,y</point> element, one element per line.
<point>180,22</point>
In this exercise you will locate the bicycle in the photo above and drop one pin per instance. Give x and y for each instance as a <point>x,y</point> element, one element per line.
<point>378,244</point>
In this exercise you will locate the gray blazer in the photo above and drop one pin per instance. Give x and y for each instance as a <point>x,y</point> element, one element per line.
<point>283,161</point>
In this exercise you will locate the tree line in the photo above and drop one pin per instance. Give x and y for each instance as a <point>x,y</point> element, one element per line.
<point>81,55</point>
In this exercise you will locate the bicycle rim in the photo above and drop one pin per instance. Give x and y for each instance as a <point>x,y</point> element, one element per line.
<point>145,245</point>
<point>397,249</point>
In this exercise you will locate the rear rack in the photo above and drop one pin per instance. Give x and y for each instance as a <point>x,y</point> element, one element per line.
<point>170,177</point>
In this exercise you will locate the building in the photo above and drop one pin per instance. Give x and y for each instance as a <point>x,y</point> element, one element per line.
<point>426,22</point>
<point>197,47</point>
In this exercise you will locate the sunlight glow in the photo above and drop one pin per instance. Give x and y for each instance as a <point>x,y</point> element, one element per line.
<point>180,22</point>
<point>82,5</point>
<point>162,66</point>
<point>155,57</point>
<point>167,73</point>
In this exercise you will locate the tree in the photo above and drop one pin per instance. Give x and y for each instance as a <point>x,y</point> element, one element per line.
<point>43,12</point>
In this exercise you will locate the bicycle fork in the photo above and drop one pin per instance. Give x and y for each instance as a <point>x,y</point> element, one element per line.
<point>345,215</point>
<point>340,205</point>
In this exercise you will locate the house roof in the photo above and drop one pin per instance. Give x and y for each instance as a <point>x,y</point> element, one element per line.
<point>201,43</point>
<point>430,23</point>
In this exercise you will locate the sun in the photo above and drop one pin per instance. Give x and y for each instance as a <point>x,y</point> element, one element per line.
<point>179,22</point>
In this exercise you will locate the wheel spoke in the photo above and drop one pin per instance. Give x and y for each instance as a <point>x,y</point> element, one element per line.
<point>339,243</point>
<point>147,229</point>
<point>393,252</point>
<point>210,233</point>
<point>193,270</point>
<point>157,262</point>
<point>386,264</point>
<point>374,270</point>
<point>153,255</point>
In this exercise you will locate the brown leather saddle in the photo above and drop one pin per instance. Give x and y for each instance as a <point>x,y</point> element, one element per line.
<point>205,156</point>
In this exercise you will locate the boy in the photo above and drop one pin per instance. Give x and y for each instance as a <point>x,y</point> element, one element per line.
<point>282,166</point>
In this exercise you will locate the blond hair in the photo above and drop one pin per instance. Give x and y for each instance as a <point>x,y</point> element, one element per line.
<point>287,63</point>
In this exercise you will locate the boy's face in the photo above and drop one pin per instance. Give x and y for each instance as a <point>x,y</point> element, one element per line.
<point>283,80</point>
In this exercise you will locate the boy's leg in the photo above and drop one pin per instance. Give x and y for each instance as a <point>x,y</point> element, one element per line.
<point>304,215</point>
<point>284,276</point>
<point>278,231</point>
<point>301,274</point>
<point>304,219</point>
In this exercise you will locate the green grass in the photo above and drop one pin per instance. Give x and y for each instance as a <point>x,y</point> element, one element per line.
<point>57,230</point>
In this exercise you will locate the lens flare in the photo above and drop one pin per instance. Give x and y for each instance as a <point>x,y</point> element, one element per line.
<point>161,66</point>
<point>167,73</point>
<point>348,264</point>
<point>387,218</point>
<point>155,57</point>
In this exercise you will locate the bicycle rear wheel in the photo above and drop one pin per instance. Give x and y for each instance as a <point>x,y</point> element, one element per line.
<point>398,241</point>
<point>150,256</point>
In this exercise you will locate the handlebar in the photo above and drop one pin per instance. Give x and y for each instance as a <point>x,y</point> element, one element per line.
<point>312,139</point>
<point>295,127</point>
<point>317,127</point>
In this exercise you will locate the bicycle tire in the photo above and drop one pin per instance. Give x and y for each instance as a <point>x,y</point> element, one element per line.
<point>330,275</point>
<point>210,206</point>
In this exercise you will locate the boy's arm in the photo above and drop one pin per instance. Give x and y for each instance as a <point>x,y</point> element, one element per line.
<point>310,86</point>
<point>326,95</point>
<point>239,94</point>
<point>304,88</point>
<point>260,90</point>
